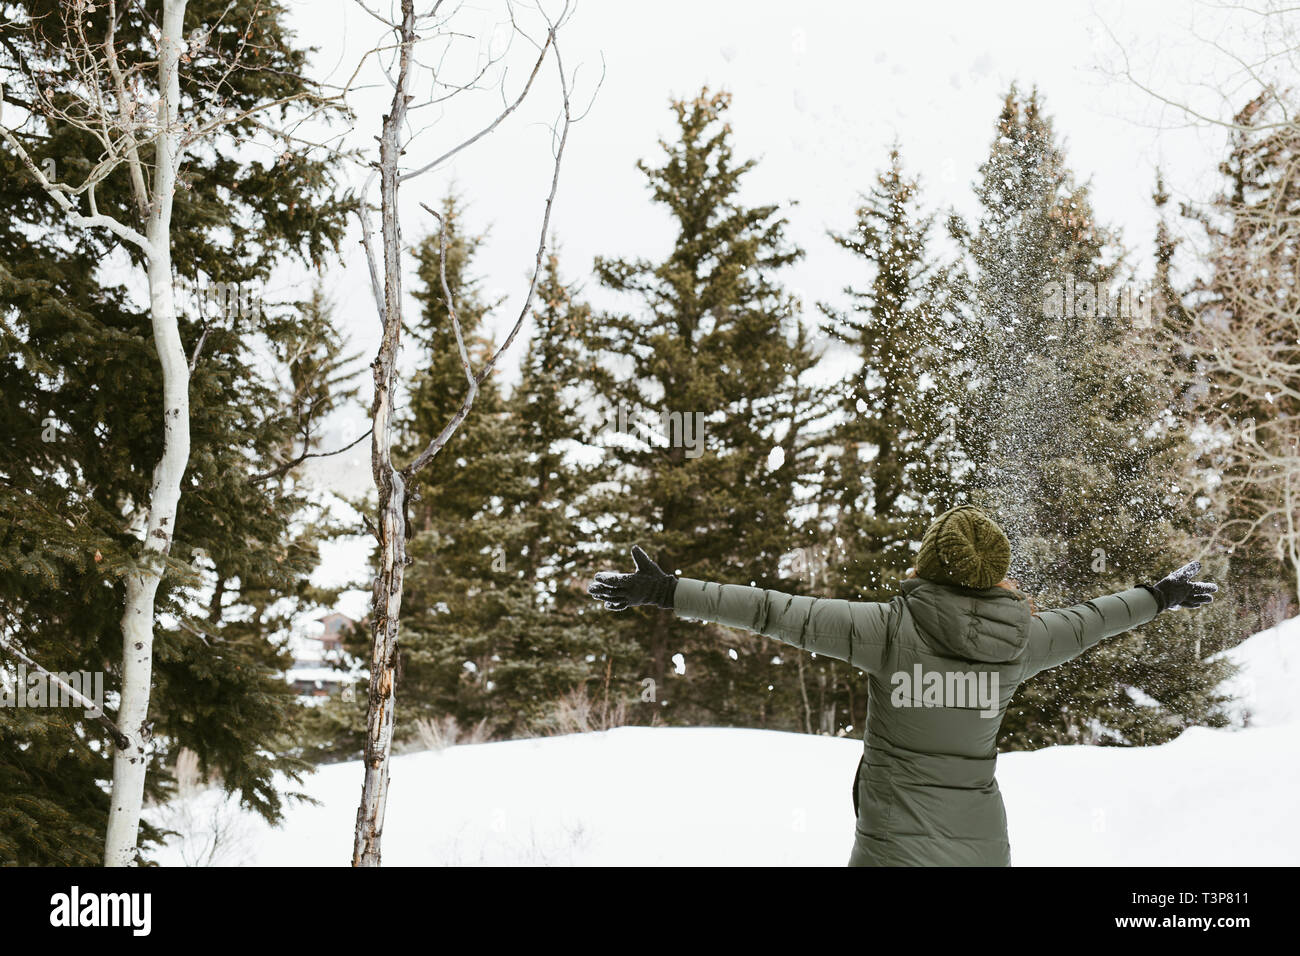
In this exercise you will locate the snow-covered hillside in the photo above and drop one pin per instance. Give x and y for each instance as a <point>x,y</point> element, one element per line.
<point>644,796</point>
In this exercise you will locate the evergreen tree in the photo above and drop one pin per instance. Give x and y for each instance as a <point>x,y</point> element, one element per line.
<point>82,439</point>
<point>460,530</point>
<point>498,627</point>
<point>1072,446</point>
<point>1036,227</point>
<point>709,415</point>
<point>892,453</point>
<point>893,467</point>
<point>555,645</point>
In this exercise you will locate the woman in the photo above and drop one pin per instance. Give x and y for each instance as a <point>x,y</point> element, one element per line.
<point>942,659</point>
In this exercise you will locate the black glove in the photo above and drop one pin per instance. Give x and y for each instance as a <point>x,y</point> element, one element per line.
<point>1179,590</point>
<point>649,585</point>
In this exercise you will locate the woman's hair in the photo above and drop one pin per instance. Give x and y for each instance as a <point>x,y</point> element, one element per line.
<point>1009,584</point>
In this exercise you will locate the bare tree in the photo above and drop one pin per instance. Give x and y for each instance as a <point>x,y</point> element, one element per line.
<point>431,30</point>
<point>1247,338</point>
<point>143,131</point>
<point>1245,328</point>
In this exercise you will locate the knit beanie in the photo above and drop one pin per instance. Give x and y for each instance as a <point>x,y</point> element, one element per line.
<point>964,546</point>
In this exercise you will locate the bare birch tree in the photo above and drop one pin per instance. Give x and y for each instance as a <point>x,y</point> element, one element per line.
<point>392,483</point>
<point>144,132</point>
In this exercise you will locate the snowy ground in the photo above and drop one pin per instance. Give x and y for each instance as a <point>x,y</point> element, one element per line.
<point>641,796</point>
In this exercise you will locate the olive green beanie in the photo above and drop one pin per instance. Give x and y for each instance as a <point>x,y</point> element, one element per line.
<point>964,546</point>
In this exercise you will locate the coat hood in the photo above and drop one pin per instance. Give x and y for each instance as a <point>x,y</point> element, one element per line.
<point>988,624</point>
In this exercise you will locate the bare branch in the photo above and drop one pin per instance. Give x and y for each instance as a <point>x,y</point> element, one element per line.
<point>198,348</point>
<point>289,465</point>
<point>444,436</point>
<point>57,193</point>
<point>450,299</point>
<point>376,285</point>
<point>550,39</point>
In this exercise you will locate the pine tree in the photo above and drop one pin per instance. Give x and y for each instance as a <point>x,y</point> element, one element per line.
<point>456,588</point>
<point>497,627</point>
<point>893,468</point>
<point>709,413</point>
<point>1036,227</point>
<point>890,469</point>
<point>556,645</point>
<point>82,438</point>
<point>1068,430</point>
<point>315,378</point>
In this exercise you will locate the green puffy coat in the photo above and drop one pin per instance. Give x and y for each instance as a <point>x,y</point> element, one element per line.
<point>942,664</point>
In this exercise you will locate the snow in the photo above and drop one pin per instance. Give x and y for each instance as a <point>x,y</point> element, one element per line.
<point>715,796</point>
<point>321,674</point>
<point>1266,682</point>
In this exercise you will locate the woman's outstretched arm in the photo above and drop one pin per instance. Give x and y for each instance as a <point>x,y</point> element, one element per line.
<point>1058,636</point>
<point>854,632</point>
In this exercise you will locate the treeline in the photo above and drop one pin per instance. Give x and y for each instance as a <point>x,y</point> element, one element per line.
<point>1025,361</point>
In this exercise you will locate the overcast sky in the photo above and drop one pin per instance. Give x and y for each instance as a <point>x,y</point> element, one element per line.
<point>820,90</point>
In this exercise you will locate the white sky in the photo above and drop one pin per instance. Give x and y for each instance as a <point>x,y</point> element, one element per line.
<point>820,90</point>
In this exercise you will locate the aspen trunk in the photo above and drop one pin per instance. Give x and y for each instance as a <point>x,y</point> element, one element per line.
<point>130,764</point>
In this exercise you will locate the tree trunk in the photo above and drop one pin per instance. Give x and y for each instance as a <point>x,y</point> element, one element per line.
<point>659,635</point>
<point>130,764</point>
<point>390,529</point>
<point>803,693</point>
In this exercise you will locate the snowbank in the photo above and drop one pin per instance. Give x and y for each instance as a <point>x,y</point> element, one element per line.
<point>1267,685</point>
<point>641,796</point>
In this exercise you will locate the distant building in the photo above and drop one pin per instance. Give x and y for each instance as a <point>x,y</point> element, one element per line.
<point>335,626</point>
<point>321,668</point>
